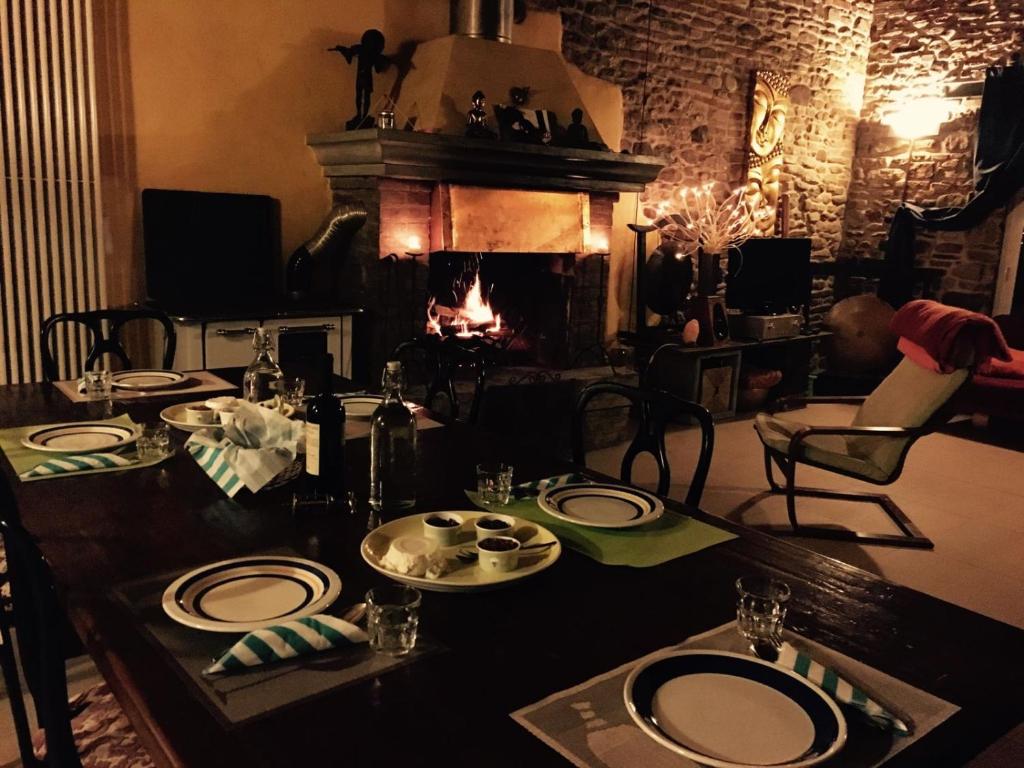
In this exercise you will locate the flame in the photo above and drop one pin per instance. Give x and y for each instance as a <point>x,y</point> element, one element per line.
<point>469,317</point>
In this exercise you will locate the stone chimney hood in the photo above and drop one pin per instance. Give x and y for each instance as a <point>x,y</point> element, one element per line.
<point>435,95</point>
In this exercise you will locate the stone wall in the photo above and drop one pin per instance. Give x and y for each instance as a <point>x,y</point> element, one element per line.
<point>702,54</point>
<point>918,49</point>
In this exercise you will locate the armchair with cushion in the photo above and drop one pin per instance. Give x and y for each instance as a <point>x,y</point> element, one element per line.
<point>941,345</point>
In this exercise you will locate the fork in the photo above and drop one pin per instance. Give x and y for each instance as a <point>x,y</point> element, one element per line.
<point>471,556</point>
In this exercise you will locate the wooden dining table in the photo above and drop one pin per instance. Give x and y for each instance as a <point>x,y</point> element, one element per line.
<point>495,651</point>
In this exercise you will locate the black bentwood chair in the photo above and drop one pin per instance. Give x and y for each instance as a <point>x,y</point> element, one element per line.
<point>88,731</point>
<point>654,410</point>
<point>432,364</point>
<point>100,342</point>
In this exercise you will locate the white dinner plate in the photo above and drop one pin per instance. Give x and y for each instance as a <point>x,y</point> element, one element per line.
<point>728,710</point>
<point>360,406</point>
<point>80,437</point>
<point>248,593</point>
<point>461,577</point>
<point>147,379</point>
<point>601,506</point>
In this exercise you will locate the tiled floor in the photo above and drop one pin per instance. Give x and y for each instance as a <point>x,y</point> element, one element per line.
<point>966,496</point>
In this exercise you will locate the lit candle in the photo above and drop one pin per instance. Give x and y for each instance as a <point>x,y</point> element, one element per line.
<point>600,243</point>
<point>413,244</point>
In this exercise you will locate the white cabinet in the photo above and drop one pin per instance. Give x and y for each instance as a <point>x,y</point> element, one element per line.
<point>204,344</point>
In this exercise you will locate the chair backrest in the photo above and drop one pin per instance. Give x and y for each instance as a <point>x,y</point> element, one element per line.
<point>104,326</point>
<point>39,619</point>
<point>910,396</point>
<point>654,409</point>
<point>432,364</point>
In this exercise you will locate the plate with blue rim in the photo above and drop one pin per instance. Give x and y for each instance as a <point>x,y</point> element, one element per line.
<point>81,437</point>
<point>600,505</point>
<point>728,710</point>
<point>247,593</point>
<point>147,379</point>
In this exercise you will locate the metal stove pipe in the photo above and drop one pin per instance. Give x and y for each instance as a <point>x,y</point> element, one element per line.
<point>487,19</point>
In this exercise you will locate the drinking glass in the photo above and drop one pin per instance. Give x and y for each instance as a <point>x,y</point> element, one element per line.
<point>97,384</point>
<point>494,483</point>
<point>392,618</point>
<point>761,610</point>
<point>154,443</point>
<point>291,391</point>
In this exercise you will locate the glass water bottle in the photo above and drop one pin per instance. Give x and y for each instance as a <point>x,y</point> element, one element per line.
<point>392,450</point>
<point>263,371</point>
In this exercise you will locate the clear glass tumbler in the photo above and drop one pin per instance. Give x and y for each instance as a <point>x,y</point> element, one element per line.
<point>761,610</point>
<point>393,617</point>
<point>154,442</point>
<point>97,385</point>
<point>494,483</point>
<point>291,390</point>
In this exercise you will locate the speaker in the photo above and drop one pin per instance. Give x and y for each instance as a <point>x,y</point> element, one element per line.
<point>710,314</point>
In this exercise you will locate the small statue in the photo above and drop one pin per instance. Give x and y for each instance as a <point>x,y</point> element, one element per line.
<point>369,55</point>
<point>476,119</point>
<point>577,135</point>
<point>514,124</point>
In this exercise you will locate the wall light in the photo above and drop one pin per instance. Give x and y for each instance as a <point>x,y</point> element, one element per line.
<point>918,118</point>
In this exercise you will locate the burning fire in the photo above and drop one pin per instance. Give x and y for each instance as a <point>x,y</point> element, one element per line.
<point>473,317</point>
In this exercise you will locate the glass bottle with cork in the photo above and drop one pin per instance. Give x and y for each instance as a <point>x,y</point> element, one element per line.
<point>392,450</point>
<point>263,372</point>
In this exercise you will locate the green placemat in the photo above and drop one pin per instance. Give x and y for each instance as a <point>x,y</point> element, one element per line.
<point>23,459</point>
<point>670,536</point>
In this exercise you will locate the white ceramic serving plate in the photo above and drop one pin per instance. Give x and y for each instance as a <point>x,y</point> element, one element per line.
<point>247,593</point>
<point>728,710</point>
<point>175,416</point>
<point>147,379</point>
<point>601,506</point>
<point>462,577</point>
<point>80,437</point>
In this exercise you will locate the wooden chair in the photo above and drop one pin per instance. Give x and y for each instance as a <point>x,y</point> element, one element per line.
<point>105,327</point>
<point>434,363</point>
<point>654,409</point>
<point>911,402</point>
<point>89,730</point>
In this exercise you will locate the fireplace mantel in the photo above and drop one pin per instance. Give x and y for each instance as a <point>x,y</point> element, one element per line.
<point>398,154</point>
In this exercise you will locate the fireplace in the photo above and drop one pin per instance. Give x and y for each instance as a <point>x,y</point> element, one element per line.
<point>529,225</point>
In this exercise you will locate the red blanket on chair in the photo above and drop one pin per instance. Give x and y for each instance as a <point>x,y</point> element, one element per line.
<point>949,334</point>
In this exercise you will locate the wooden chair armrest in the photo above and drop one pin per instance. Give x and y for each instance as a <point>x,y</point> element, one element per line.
<point>803,433</point>
<point>793,402</point>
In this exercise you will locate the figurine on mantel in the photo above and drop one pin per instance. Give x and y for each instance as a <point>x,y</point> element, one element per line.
<point>577,135</point>
<point>369,56</point>
<point>476,119</point>
<point>515,125</point>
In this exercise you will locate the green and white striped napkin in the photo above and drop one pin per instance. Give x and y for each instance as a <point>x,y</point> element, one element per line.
<point>213,461</point>
<point>286,641</point>
<point>537,487</point>
<point>67,463</point>
<point>840,690</point>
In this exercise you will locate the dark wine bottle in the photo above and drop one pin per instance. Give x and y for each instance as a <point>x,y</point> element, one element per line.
<point>325,439</point>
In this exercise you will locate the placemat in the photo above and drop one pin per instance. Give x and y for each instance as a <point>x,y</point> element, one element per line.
<point>670,536</point>
<point>356,428</point>
<point>590,727</point>
<point>241,697</point>
<point>202,381</point>
<point>23,459</point>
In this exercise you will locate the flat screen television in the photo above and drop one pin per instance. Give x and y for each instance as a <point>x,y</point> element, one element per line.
<point>769,276</point>
<point>208,252</point>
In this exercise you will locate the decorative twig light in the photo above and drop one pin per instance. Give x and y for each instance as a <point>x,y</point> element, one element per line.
<point>702,221</point>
